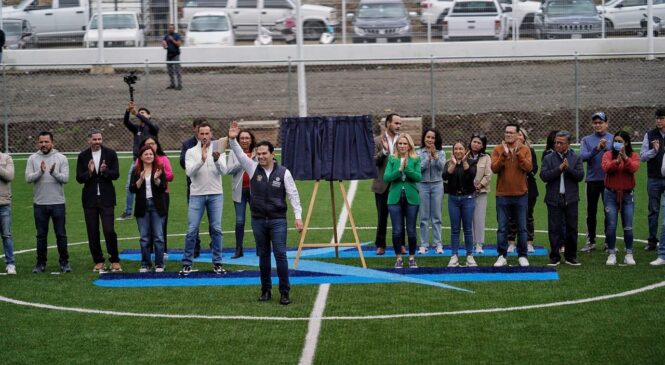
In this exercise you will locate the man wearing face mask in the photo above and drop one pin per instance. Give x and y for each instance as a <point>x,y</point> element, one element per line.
<point>652,152</point>
<point>48,171</point>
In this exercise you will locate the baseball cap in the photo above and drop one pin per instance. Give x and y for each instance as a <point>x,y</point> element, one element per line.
<point>599,115</point>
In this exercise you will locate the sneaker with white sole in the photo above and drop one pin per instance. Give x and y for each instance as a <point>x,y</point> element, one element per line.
<point>511,248</point>
<point>500,262</point>
<point>144,269</point>
<point>412,263</point>
<point>159,269</point>
<point>479,249</point>
<point>399,263</point>
<point>523,261</point>
<point>186,270</point>
<point>588,247</point>
<point>611,260</point>
<point>657,262</point>
<point>439,249</point>
<point>530,248</point>
<point>423,250</point>
<point>454,261</point>
<point>11,269</point>
<point>470,261</point>
<point>628,259</point>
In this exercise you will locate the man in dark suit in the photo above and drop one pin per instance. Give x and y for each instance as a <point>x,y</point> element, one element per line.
<point>383,147</point>
<point>96,168</point>
<point>562,172</point>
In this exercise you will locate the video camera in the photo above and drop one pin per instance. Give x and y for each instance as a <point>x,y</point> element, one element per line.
<point>130,80</point>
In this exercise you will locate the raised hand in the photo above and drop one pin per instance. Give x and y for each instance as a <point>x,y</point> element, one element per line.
<point>204,153</point>
<point>602,144</point>
<point>564,164</point>
<point>655,144</point>
<point>91,166</point>
<point>215,155</point>
<point>505,147</point>
<point>102,166</point>
<point>384,143</point>
<point>42,166</point>
<point>158,173</point>
<point>234,130</point>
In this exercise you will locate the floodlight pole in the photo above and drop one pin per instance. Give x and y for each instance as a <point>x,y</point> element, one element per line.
<point>302,85</point>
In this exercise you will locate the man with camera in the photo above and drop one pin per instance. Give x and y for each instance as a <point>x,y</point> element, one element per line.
<point>171,43</point>
<point>146,127</point>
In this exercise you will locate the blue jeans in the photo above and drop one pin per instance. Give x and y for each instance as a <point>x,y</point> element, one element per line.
<point>398,213</point>
<point>267,232</point>
<point>43,213</point>
<point>241,208</point>
<point>431,201</point>
<point>129,201</point>
<point>151,229</point>
<point>460,208</point>
<point>655,190</point>
<point>612,212</point>
<point>213,204</point>
<point>6,231</point>
<point>516,207</point>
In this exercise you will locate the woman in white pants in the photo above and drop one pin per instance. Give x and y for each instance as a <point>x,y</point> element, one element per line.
<point>483,163</point>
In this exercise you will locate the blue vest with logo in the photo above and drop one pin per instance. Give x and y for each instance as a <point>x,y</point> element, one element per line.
<point>268,197</point>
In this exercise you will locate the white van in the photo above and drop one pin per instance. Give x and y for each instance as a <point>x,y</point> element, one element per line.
<point>210,29</point>
<point>121,29</point>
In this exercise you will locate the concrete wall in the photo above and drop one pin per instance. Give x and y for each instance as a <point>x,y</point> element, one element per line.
<point>341,52</point>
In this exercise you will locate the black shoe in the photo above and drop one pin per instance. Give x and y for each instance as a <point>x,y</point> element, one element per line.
<point>179,87</point>
<point>238,253</point>
<point>266,295</point>
<point>554,262</point>
<point>651,246</point>
<point>65,268</point>
<point>171,87</point>
<point>39,268</point>
<point>218,269</point>
<point>284,300</point>
<point>572,262</point>
<point>186,270</point>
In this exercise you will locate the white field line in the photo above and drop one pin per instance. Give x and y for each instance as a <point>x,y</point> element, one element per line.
<point>339,318</point>
<point>314,326</point>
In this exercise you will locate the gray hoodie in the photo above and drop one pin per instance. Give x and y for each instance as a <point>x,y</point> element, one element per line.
<point>49,186</point>
<point>6,176</point>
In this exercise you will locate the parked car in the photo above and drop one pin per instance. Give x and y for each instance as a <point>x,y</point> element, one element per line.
<point>476,19</point>
<point>523,12</point>
<point>51,18</point>
<point>121,29</point>
<point>381,21</point>
<point>568,19</point>
<point>433,11</point>
<point>210,28</point>
<point>626,14</point>
<point>247,15</point>
<point>18,33</point>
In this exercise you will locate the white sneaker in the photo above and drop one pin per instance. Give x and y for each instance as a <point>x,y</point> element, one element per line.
<point>511,248</point>
<point>423,250</point>
<point>524,262</point>
<point>159,269</point>
<point>611,260</point>
<point>479,249</point>
<point>439,249</point>
<point>144,269</point>
<point>500,262</point>
<point>657,262</point>
<point>529,248</point>
<point>470,261</point>
<point>628,259</point>
<point>11,269</point>
<point>454,261</point>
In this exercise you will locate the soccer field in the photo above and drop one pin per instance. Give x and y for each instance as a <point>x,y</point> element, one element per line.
<point>591,314</point>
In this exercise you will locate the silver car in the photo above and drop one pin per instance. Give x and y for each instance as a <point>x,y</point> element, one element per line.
<point>18,33</point>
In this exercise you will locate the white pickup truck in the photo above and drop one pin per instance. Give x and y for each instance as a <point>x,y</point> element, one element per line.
<point>476,19</point>
<point>50,18</point>
<point>247,15</point>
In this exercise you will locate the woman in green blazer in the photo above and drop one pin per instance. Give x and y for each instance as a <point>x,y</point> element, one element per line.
<point>403,174</point>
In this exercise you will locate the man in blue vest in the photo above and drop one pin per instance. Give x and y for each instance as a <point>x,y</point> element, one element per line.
<point>270,185</point>
<point>653,148</point>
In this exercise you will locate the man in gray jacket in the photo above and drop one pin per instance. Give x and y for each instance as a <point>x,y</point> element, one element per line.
<point>6,176</point>
<point>48,170</point>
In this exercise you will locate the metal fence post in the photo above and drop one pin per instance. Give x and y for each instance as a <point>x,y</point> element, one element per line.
<point>288,87</point>
<point>5,107</point>
<point>431,82</point>
<point>577,99</point>
<point>146,84</point>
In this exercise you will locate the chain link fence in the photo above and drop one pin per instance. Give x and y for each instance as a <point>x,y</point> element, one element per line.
<point>456,96</point>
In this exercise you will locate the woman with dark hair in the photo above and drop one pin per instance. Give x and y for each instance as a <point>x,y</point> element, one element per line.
<point>549,144</point>
<point>483,163</point>
<point>620,165</point>
<point>163,160</point>
<point>240,186</point>
<point>149,185</point>
<point>460,175</point>
<point>432,159</point>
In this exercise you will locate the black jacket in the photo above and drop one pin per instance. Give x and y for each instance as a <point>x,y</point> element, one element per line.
<point>103,180</point>
<point>158,195</point>
<point>572,175</point>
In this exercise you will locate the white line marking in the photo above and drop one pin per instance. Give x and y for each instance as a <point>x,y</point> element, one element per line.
<point>314,327</point>
<point>338,318</point>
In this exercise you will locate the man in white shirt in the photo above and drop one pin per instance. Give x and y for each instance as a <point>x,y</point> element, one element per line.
<point>270,185</point>
<point>205,168</point>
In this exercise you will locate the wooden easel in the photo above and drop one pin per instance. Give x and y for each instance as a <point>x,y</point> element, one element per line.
<point>336,242</point>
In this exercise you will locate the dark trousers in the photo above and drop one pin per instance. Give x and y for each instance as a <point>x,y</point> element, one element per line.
<point>562,228</point>
<point>241,209</point>
<point>56,213</point>
<point>594,193</point>
<point>92,218</point>
<point>381,201</point>
<point>269,232</point>
<point>174,70</point>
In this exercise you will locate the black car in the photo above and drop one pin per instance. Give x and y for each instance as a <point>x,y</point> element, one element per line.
<point>568,19</point>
